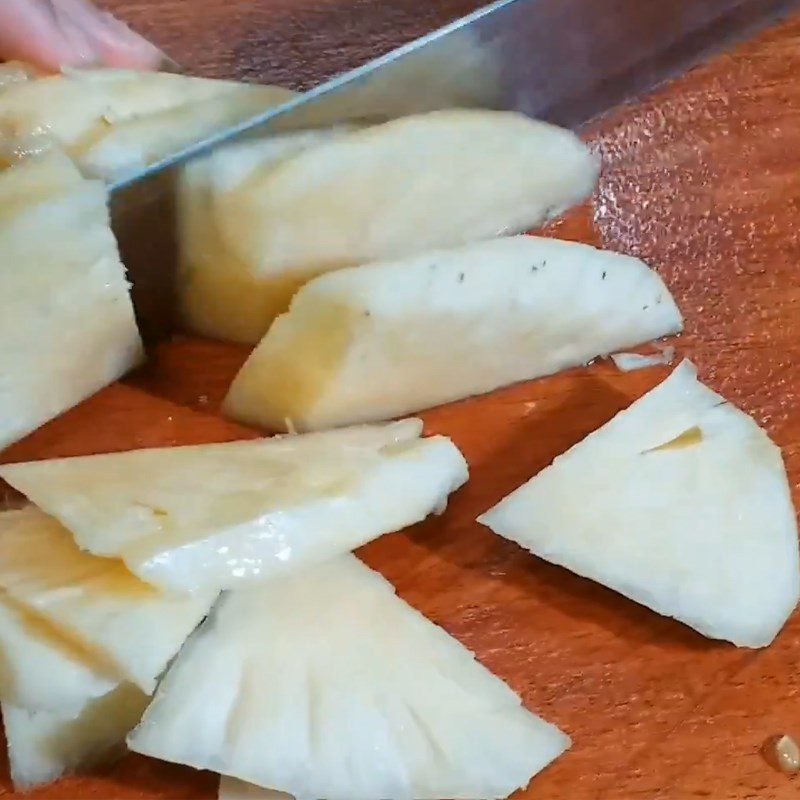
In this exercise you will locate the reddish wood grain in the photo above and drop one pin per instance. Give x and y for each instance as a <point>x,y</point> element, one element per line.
<point>701,179</point>
<point>191,372</point>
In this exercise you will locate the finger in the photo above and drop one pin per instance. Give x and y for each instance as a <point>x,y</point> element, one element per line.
<point>28,31</point>
<point>113,43</point>
<point>58,33</point>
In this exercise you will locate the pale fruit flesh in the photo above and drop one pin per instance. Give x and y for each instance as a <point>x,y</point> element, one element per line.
<point>129,147</point>
<point>326,684</point>
<point>382,340</point>
<point>209,517</point>
<point>40,179</point>
<point>43,746</point>
<point>218,293</point>
<point>41,670</point>
<point>128,628</point>
<point>113,121</point>
<point>681,503</point>
<point>14,72</point>
<point>413,184</point>
<point>67,326</point>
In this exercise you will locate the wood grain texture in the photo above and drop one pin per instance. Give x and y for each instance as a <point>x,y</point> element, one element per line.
<point>294,43</point>
<point>701,179</point>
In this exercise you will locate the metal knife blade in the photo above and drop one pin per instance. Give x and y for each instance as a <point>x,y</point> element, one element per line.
<point>564,61</point>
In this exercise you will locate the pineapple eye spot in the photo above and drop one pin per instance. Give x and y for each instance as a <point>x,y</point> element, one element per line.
<point>156,511</point>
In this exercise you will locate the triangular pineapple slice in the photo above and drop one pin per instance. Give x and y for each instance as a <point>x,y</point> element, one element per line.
<point>126,625</point>
<point>325,684</point>
<point>79,109</point>
<point>382,340</point>
<point>211,516</point>
<point>40,670</point>
<point>67,326</point>
<point>43,745</point>
<point>429,180</point>
<point>680,503</point>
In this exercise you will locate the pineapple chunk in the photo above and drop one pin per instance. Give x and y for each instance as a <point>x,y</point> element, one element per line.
<point>129,147</point>
<point>43,746</point>
<point>14,72</point>
<point>40,670</point>
<point>680,503</point>
<point>114,122</point>
<point>208,517</point>
<point>67,326</point>
<point>124,625</point>
<point>326,684</point>
<point>382,340</point>
<point>212,280</point>
<point>430,180</point>
<point>39,180</point>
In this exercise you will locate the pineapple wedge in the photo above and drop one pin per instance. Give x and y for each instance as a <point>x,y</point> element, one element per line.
<point>379,341</point>
<point>326,684</point>
<point>14,72</point>
<point>124,625</point>
<point>127,148</point>
<point>43,746</point>
<point>212,280</point>
<point>67,326</point>
<point>39,180</point>
<point>680,503</point>
<point>113,122</point>
<point>41,670</point>
<point>429,180</point>
<point>208,517</point>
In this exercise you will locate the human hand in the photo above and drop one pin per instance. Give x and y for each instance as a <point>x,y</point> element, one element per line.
<point>70,33</point>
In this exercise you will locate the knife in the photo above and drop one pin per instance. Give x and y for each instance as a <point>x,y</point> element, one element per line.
<point>564,61</point>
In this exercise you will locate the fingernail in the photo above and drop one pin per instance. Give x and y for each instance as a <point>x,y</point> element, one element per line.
<point>125,44</point>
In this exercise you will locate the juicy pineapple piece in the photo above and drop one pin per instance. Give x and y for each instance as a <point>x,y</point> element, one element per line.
<point>67,326</point>
<point>14,72</point>
<point>680,503</point>
<point>326,684</point>
<point>208,517</point>
<point>403,187</point>
<point>113,122</point>
<point>43,745</point>
<point>212,279</point>
<point>128,148</point>
<point>39,180</point>
<point>123,624</point>
<point>41,670</point>
<point>378,341</point>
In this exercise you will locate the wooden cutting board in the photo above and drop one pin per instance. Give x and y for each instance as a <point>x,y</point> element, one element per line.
<point>701,179</point>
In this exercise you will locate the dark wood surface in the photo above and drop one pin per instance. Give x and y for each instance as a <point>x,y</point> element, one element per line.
<point>701,179</point>
<point>295,43</point>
